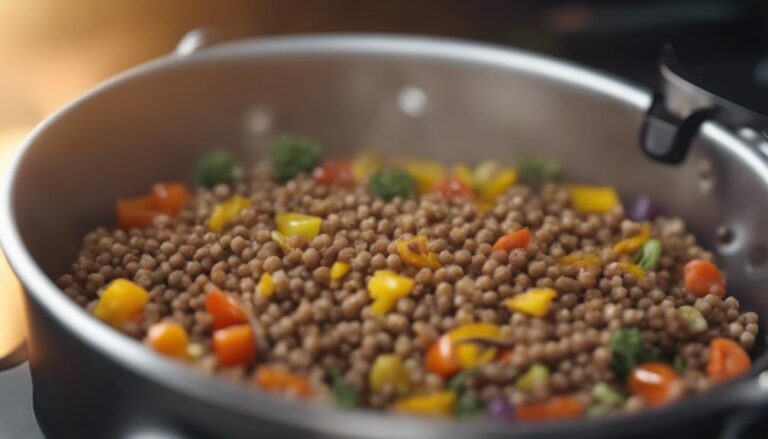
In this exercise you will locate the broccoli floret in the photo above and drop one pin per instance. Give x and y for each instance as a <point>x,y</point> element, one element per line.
<point>536,170</point>
<point>217,167</point>
<point>293,155</point>
<point>629,350</point>
<point>389,183</point>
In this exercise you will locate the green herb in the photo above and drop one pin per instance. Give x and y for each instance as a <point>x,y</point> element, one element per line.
<point>536,170</point>
<point>389,183</point>
<point>457,382</point>
<point>467,407</point>
<point>629,350</point>
<point>648,255</point>
<point>536,374</point>
<point>679,365</point>
<point>293,155</point>
<point>344,394</point>
<point>217,167</point>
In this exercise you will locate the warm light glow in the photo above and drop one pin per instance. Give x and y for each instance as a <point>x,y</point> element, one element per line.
<point>11,316</point>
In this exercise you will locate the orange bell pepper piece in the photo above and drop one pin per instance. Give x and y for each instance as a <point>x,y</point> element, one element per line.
<point>225,310</point>
<point>727,360</point>
<point>234,345</point>
<point>557,407</point>
<point>703,277</point>
<point>274,380</point>
<point>517,239</point>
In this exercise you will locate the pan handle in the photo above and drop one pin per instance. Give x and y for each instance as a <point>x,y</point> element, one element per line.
<point>691,95</point>
<point>195,40</point>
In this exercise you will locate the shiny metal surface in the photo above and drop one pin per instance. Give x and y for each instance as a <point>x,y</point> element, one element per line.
<point>405,96</point>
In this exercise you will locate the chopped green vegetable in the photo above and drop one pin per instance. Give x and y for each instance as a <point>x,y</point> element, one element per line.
<point>694,320</point>
<point>648,255</point>
<point>217,167</point>
<point>389,183</point>
<point>607,395</point>
<point>457,382</point>
<point>344,394</point>
<point>605,398</point>
<point>536,170</point>
<point>536,374</point>
<point>293,155</point>
<point>597,410</point>
<point>679,365</point>
<point>467,407</point>
<point>629,350</point>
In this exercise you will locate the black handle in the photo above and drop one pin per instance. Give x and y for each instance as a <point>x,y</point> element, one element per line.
<point>693,93</point>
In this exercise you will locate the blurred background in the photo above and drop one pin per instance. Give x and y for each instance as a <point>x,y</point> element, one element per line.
<point>52,51</point>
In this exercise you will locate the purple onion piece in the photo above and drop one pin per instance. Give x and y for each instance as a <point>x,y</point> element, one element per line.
<point>644,209</point>
<point>500,410</point>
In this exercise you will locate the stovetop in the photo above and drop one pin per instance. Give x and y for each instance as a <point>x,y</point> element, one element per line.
<point>17,420</point>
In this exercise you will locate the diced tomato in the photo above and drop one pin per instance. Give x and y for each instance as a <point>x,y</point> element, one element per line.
<point>557,407</point>
<point>727,360</point>
<point>505,356</point>
<point>169,198</point>
<point>334,173</point>
<point>234,345</point>
<point>517,239</point>
<point>226,311</point>
<point>135,213</point>
<point>441,357</point>
<point>275,380</point>
<point>655,383</point>
<point>452,188</point>
<point>703,277</point>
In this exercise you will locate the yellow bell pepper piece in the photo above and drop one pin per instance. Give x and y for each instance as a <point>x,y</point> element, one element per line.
<point>632,244</point>
<point>534,302</point>
<point>266,285</point>
<point>496,185</point>
<point>470,354</point>
<point>281,241</point>
<point>593,199</point>
<point>484,172</point>
<point>426,173</point>
<point>633,268</point>
<point>440,404</point>
<point>415,253</point>
<point>339,270</point>
<point>389,369</point>
<point>121,301</point>
<point>227,211</point>
<point>580,260</point>
<point>292,224</point>
<point>385,287</point>
<point>365,164</point>
<point>463,174</point>
<point>534,375</point>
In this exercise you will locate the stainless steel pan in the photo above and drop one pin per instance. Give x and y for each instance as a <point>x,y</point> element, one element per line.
<point>451,100</point>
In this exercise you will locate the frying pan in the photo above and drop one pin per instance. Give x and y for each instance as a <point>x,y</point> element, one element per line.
<point>451,100</point>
